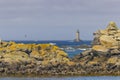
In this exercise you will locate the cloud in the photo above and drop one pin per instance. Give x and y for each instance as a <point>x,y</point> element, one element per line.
<point>36,16</point>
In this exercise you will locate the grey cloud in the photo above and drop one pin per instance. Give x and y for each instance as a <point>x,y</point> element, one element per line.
<point>55,16</point>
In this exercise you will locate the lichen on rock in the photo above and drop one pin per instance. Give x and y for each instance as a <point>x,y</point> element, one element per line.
<point>30,58</point>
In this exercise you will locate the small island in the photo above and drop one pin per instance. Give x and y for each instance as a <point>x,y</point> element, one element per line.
<point>47,59</point>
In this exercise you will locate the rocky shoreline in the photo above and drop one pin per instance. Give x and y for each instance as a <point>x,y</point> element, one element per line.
<point>46,59</point>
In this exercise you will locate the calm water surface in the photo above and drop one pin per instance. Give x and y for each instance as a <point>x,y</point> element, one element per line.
<point>67,78</point>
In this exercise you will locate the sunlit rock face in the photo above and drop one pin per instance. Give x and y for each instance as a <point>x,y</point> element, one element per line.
<point>108,38</point>
<point>30,58</point>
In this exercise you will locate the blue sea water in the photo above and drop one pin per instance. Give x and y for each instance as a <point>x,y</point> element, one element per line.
<point>58,42</point>
<point>61,43</point>
<point>66,78</point>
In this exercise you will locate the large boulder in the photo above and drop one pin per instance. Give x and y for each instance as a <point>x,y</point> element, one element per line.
<point>108,41</point>
<point>109,37</point>
<point>112,26</point>
<point>114,60</point>
<point>100,48</point>
<point>103,32</point>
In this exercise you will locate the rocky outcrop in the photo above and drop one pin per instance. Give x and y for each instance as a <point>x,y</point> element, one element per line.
<point>104,57</point>
<point>32,58</point>
<point>99,63</point>
<point>108,38</point>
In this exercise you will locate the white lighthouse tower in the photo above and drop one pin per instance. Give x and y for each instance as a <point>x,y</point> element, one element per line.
<point>77,39</point>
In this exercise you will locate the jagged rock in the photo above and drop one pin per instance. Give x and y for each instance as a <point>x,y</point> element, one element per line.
<point>36,55</point>
<point>107,41</point>
<point>108,38</point>
<point>114,60</point>
<point>32,58</point>
<point>87,52</point>
<point>96,41</point>
<point>103,32</point>
<point>104,57</point>
<point>112,26</point>
<point>100,48</point>
<point>114,51</point>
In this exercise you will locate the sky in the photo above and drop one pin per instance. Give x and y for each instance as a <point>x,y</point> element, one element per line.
<point>55,19</point>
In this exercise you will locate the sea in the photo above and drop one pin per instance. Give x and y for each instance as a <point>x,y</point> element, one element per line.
<point>65,78</point>
<point>71,53</point>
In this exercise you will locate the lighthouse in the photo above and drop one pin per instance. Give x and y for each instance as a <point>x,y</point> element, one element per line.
<point>77,39</point>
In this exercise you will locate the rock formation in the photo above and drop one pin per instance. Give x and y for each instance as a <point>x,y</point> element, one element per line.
<point>104,57</point>
<point>31,58</point>
<point>107,39</point>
